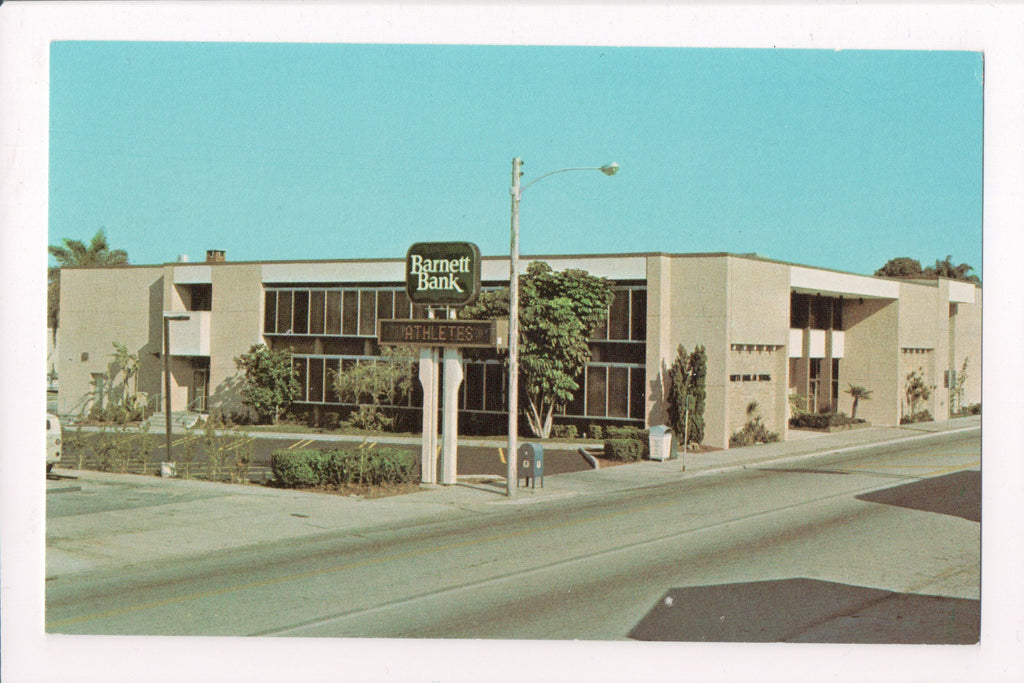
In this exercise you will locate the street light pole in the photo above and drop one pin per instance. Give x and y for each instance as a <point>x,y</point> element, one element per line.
<point>167,376</point>
<point>512,476</point>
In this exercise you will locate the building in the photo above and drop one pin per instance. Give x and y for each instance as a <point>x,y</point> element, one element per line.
<point>770,328</point>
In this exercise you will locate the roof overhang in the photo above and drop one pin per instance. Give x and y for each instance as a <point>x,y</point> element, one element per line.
<point>831,283</point>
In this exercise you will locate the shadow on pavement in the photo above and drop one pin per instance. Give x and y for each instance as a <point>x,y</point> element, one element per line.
<point>808,611</point>
<point>957,494</point>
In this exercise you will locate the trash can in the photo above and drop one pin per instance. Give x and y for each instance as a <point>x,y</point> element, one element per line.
<point>531,463</point>
<point>663,443</point>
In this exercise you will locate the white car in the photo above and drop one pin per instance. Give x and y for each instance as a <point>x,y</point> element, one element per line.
<point>52,441</point>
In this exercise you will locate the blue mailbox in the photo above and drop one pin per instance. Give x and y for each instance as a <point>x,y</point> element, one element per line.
<point>531,464</point>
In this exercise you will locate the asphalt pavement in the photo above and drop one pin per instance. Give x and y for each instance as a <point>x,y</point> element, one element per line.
<point>98,520</point>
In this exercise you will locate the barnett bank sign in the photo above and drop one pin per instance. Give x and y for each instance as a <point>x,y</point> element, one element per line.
<point>442,273</point>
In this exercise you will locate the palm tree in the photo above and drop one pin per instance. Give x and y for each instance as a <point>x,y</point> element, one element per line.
<point>858,393</point>
<point>75,253</point>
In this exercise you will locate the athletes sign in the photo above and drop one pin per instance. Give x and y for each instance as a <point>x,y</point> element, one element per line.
<point>442,273</point>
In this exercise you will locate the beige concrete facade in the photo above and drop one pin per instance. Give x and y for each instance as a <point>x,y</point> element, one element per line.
<point>737,306</point>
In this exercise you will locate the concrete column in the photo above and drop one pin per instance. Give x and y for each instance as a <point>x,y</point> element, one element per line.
<point>429,368</point>
<point>450,414</point>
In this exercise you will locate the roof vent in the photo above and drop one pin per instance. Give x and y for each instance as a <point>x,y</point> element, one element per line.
<point>214,255</point>
<point>182,258</point>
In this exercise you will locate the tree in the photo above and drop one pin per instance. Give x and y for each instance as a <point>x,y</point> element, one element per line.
<point>916,390</point>
<point>75,253</point>
<point>686,394</point>
<point>270,381</point>
<point>945,268</point>
<point>902,266</point>
<point>557,312</point>
<point>378,385</point>
<point>858,393</point>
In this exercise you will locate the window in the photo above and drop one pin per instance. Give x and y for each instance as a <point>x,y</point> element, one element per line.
<point>385,303</point>
<point>270,311</point>
<point>350,312</point>
<point>316,380</point>
<point>798,306</point>
<point>637,395</point>
<point>284,312</point>
<point>367,312</point>
<point>618,392</point>
<point>821,313</point>
<point>764,378</point>
<point>638,315</point>
<point>333,323</point>
<point>316,311</point>
<point>735,378</point>
<point>618,315</point>
<point>300,312</point>
<point>596,390</point>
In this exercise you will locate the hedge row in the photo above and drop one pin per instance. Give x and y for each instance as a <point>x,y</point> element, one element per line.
<point>822,420</point>
<point>369,465</point>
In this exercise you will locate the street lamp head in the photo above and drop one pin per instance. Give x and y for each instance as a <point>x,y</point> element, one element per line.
<point>610,169</point>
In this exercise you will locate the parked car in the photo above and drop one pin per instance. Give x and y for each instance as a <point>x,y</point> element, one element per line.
<point>52,441</point>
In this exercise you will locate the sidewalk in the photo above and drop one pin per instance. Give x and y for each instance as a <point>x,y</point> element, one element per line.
<point>139,519</point>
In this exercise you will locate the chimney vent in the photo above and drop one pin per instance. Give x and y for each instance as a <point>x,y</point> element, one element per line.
<point>214,255</point>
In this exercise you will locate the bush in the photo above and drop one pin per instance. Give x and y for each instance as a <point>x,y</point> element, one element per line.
<point>753,432</point>
<point>822,421</point>
<point>625,450</point>
<point>363,464</point>
<point>919,416</point>
<point>596,432</point>
<point>564,431</point>
<point>295,469</point>
<point>638,433</point>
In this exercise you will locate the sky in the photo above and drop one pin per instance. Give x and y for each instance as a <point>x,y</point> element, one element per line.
<point>836,159</point>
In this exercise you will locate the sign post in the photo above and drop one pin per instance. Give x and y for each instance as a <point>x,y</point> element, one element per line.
<point>442,275</point>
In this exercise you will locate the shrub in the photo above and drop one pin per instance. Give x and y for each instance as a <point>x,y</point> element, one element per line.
<point>919,416</point>
<point>364,464</point>
<point>753,432</point>
<point>294,469</point>
<point>371,419</point>
<point>564,431</point>
<point>822,421</point>
<point>625,450</point>
<point>596,432</point>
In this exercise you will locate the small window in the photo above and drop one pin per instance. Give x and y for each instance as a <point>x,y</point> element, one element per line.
<point>734,378</point>
<point>748,378</point>
<point>764,378</point>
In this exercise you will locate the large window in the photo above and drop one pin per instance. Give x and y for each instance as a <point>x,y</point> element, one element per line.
<point>815,312</point>
<point>627,316</point>
<point>332,312</point>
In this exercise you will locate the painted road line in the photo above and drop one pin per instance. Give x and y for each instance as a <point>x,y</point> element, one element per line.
<point>299,444</point>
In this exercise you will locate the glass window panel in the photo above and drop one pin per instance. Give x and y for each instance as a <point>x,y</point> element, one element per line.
<point>821,312</point>
<point>368,312</point>
<point>618,392</point>
<point>637,393</point>
<point>402,304</point>
<point>385,300</point>
<point>331,366</point>
<point>798,311</point>
<point>333,325</point>
<point>600,331</point>
<point>419,312</point>
<point>474,386</point>
<point>350,312</point>
<point>578,403</point>
<point>837,314</point>
<point>284,312</point>
<point>300,312</point>
<point>316,380</point>
<point>596,391</point>
<point>300,371</point>
<point>638,315</point>
<point>316,311</point>
<point>494,396</point>
<point>270,312</point>
<point>618,316</point>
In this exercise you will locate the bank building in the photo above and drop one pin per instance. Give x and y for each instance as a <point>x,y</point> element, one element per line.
<point>770,329</point>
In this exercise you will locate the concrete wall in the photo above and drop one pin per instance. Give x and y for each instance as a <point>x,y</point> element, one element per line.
<point>236,324</point>
<point>871,359</point>
<point>97,308</point>
<point>758,299</point>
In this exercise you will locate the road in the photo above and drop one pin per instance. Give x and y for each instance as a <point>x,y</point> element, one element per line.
<point>878,545</point>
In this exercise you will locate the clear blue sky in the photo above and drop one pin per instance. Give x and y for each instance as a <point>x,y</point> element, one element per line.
<point>307,151</point>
